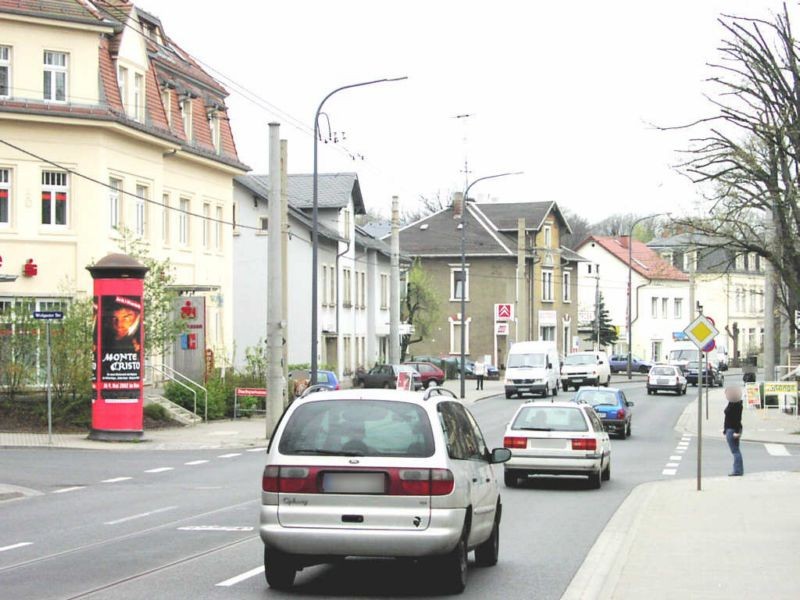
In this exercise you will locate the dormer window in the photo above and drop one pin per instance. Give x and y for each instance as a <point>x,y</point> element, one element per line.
<point>548,236</point>
<point>138,97</point>
<point>186,113</point>
<point>55,76</point>
<point>213,125</point>
<point>166,101</point>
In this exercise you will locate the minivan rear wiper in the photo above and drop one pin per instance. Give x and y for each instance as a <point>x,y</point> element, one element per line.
<point>324,452</point>
<point>534,428</point>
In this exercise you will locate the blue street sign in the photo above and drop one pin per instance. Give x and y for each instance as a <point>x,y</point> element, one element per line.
<point>48,314</point>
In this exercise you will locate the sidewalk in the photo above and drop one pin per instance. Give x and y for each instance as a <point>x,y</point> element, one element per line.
<point>735,539</point>
<point>768,426</point>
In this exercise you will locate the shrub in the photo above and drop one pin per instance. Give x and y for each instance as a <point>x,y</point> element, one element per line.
<point>156,412</point>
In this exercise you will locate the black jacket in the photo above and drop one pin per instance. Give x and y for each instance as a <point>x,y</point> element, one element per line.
<point>733,416</point>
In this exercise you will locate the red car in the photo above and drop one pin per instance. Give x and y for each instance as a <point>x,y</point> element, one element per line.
<point>429,372</point>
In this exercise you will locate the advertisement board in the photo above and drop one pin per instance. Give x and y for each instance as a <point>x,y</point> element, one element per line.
<point>752,394</point>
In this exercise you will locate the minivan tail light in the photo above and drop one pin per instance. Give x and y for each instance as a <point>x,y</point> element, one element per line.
<point>270,478</point>
<point>289,480</point>
<point>584,444</point>
<point>422,482</point>
<point>515,442</point>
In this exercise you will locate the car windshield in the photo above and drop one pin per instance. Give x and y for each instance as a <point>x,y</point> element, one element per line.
<point>550,418</point>
<point>580,359</point>
<point>358,428</point>
<point>663,371</point>
<point>322,377</point>
<point>597,397</point>
<point>407,369</point>
<point>690,355</point>
<point>526,360</point>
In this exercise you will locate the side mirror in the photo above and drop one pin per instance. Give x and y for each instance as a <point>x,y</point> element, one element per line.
<point>549,365</point>
<point>600,362</point>
<point>499,455</point>
<point>629,403</point>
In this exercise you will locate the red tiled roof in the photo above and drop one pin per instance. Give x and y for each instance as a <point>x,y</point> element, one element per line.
<point>68,10</point>
<point>155,108</point>
<point>108,78</point>
<point>201,132</point>
<point>646,261</point>
<point>226,142</point>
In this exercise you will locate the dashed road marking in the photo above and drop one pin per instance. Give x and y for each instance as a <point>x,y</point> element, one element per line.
<point>675,457</point>
<point>215,528</point>
<point>669,471</point>
<point>160,470</point>
<point>15,546</point>
<point>242,577</point>
<point>196,462</point>
<point>231,455</point>
<point>69,489</point>
<point>140,515</point>
<point>673,465</point>
<point>116,479</point>
<point>777,449</point>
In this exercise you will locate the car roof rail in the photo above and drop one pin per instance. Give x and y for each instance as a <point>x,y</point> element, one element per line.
<point>439,391</point>
<point>320,387</point>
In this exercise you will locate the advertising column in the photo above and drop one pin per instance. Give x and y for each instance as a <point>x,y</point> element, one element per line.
<point>118,365</point>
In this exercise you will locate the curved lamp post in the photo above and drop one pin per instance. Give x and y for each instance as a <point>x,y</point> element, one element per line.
<point>630,284</point>
<point>315,223</point>
<point>462,366</point>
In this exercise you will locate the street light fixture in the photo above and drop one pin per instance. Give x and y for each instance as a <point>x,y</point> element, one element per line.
<point>630,284</point>
<point>315,222</point>
<point>462,366</point>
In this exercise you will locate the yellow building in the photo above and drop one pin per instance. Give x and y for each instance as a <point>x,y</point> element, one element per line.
<point>106,125</point>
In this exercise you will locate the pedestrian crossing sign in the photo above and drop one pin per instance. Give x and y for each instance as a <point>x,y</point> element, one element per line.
<point>701,331</point>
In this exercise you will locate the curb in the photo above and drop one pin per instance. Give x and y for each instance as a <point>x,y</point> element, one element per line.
<point>600,572</point>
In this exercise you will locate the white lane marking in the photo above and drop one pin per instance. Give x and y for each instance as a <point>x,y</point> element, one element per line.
<point>14,546</point>
<point>242,577</point>
<point>669,471</point>
<point>777,449</point>
<point>680,450</point>
<point>116,479</point>
<point>159,470</point>
<point>140,515</point>
<point>215,528</point>
<point>69,489</point>
<point>231,455</point>
<point>224,433</point>
<point>675,457</point>
<point>257,450</point>
<point>673,464</point>
<point>196,462</point>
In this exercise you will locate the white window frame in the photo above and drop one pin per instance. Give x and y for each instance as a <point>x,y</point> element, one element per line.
<point>115,202</point>
<point>218,228</point>
<point>5,64</point>
<point>347,292</point>
<point>566,333</point>
<point>465,283</point>
<point>138,97</point>
<point>654,307</point>
<point>677,308</point>
<point>566,282</point>
<point>165,216</point>
<point>5,186</point>
<point>333,282</point>
<point>206,238</point>
<point>363,297</point>
<point>548,236</point>
<point>455,338</point>
<point>665,308</point>
<point>347,223</point>
<point>54,189</point>
<point>166,102</point>
<point>547,285</point>
<point>184,231</point>
<point>186,117</point>
<point>122,82</point>
<point>552,328</point>
<point>384,291</point>
<point>214,126</point>
<point>324,285</point>
<point>140,210</point>
<point>52,72</point>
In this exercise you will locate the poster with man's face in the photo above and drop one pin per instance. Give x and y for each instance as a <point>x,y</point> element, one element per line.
<point>121,338</point>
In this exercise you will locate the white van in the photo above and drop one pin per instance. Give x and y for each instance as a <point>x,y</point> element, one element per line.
<point>684,355</point>
<point>532,367</point>
<point>585,368</point>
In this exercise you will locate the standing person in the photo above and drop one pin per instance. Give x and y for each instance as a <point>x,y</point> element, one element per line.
<point>480,372</point>
<point>733,428</point>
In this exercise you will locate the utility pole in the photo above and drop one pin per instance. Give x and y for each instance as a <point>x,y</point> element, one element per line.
<point>692,265</point>
<point>275,333</point>
<point>769,303</point>
<point>522,298</point>
<point>394,292</point>
<point>597,303</point>
<point>285,266</point>
<point>699,411</point>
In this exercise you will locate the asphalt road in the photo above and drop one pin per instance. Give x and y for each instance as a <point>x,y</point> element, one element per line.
<point>183,524</point>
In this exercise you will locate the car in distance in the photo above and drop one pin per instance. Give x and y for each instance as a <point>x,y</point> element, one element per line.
<point>385,376</point>
<point>585,368</point>
<point>618,363</point>
<point>557,438</point>
<point>666,378</point>
<point>379,473</point>
<point>532,367</point>
<point>428,372</point>
<point>611,405</point>
<point>300,379</point>
<point>711,375</point>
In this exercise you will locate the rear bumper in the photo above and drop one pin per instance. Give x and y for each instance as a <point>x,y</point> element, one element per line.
<point>579,380</point>
<point>529,388</point>
<point>547,464</point>
<point>664,388</point>
<point>614,424</point>
<point>441,536</point>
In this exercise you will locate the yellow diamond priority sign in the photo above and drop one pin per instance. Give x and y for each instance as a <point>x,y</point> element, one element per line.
<point>701,331</point>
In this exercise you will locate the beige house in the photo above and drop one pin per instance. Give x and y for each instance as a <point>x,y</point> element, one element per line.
<point>106,125</point>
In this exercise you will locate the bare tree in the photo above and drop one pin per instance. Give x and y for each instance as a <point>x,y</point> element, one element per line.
<point>427,206</point>
<point>581,229</point>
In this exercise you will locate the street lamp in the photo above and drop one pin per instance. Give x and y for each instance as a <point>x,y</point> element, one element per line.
<point>462,368</point>
<point>630,275</point>
<point>315,222</point>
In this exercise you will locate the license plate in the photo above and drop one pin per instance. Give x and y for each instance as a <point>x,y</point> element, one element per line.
<point>663,382</point>
<point>354,483</point>
<point>605,416</point>
<point>577,379</point>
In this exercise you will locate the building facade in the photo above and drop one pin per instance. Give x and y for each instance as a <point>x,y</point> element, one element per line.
<point>111,132</point>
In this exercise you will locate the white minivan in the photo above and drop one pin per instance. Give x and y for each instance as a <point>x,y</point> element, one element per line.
<point>585,368</point>
<point>532,367</point>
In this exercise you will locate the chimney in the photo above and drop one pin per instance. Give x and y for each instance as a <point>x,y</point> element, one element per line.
<point>624,241</point>
<point>458,205</point>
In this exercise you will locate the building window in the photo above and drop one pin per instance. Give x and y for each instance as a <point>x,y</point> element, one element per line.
<point>752,301</point>
<point>183,222</point>
<point>114,202</point>
<point>459,284</point>
<point>324,285</point>
<point>5,71</point>
<point>138,97</point>
<point>566,291</point>
<point>347,284</point>
<point>548,236</point>
<point>186,113</point>
<point>263,224</point>
<point>547,333</point>
<point>206,224</point>
<point>54,198</point>
<point>565,342</point>
<point>55,76</point>
<point>740,262</point>
<point>347,223</point>
<point>384,291</point>
<point>655,351</point>
<point>678,308</point>
<point>166,101</point>
<point>654,308</point>
<point>122,81</point>
<point>213,125</point>
<point>140,222</point>
<point>5,197</point>
<point>665,308</point>
<point>218,229</point>
<point>332,287</point>
<point>455,335</point>
<point>363,297</point>
<point>547,286</point>
<point>165,219</point>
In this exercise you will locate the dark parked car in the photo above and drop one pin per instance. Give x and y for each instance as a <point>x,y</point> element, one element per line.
<point>611,406</point>
<point>385,376</point>
<point>711,375</point>
<point>429,372</point>
<point>619,363</point>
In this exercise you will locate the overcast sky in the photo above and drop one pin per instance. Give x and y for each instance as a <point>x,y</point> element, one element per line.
<point>564,91</point>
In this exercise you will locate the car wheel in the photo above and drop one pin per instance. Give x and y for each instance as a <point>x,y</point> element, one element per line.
<point>486,554</point>
<point>452,568</point>
<point>546,391</point>
<point>440,383</point>
<point>606,476</point>
<point>508,395</point>
<point>519,394</point>
<point>721,381</point>
<point>607,381</point>
<point>595,480</point>
<point>510,478</point>
<point>430,383</point>
<point>565,387</point>
<point>628,430</point>
<point>386,386</point>
<point>555,390</point>
<point>279,568</point>
<point>649,392</point>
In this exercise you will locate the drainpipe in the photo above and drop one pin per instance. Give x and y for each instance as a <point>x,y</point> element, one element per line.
<point>338,305</point>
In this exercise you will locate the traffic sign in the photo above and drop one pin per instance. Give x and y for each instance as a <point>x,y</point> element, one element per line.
<point>701,331</point>
<point>713,343</point>
<point>503,312</point>
<point>48,315</point>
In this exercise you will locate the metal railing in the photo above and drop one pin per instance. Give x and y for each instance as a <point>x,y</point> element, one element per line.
<point>183,381</point>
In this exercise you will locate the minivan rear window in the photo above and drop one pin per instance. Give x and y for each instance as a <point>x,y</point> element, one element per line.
<point>358,428</point>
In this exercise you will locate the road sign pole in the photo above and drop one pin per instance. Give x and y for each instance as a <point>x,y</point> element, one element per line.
<point>49,391</point>
<point>699,419</point>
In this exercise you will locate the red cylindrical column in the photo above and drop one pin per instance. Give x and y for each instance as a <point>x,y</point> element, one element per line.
<point>118,365</point>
